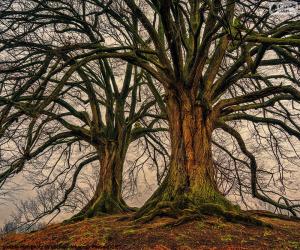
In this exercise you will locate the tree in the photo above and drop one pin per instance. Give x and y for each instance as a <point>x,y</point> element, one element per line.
<point>63,109</point>
<point>15,223</point>
<point>211,58</point>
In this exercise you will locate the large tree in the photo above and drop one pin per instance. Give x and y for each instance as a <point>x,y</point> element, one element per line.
<point>58,100</point>
<point>212,58</point>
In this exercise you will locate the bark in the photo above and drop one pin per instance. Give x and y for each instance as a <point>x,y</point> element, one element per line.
<point>107,198</point>
<point>190,181</point>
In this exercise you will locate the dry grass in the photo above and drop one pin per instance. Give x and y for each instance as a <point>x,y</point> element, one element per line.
<point>110,233</point>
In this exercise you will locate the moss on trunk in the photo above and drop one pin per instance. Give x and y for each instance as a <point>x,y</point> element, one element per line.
<point>107,198</point>
<point>190,188</point>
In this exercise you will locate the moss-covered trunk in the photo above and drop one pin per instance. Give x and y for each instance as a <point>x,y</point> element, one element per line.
<point>192,170</point>
<point>107,198</point>
<point>190,181</point>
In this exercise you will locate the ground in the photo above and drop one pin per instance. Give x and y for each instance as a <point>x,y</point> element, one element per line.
<point>111,232</point>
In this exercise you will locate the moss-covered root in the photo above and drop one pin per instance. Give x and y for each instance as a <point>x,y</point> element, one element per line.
<point>161,209</point>
<point>104,205</point>
<point>188,215</point>
<point>234,214</point>
<point>177,205</point>
<point>73,219</point>
<point>245,219</point>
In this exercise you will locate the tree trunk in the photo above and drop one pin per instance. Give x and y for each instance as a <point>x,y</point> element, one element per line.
<point>190,181</point>
<point>107,198</point>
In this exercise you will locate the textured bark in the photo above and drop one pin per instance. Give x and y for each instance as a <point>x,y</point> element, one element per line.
<point>107,198</point>
<point>190,182</point>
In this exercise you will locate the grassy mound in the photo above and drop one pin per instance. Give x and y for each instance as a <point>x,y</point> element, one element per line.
<point>109,232</point>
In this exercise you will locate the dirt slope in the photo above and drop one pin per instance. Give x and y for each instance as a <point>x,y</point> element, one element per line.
<point>110,233</point>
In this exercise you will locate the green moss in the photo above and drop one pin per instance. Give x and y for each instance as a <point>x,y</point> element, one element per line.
<point>294,244</point>
<point>227,238</point>
<point>267,233</point>
<point>208,195</point>
<point>200,225</point>
<point>130,231</point>
<point>76,218</point>
<point>175,201</point>
<point>220,224</point>
<point>106,237</point>
<point>211,209</point>
<point>243,241</point>
<point>105,204</point>
<point>182,238</point>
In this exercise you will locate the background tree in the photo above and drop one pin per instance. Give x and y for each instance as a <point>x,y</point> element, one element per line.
<point>62,109</point>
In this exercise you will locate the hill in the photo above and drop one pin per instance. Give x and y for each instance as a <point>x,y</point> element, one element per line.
<point>110,232</point>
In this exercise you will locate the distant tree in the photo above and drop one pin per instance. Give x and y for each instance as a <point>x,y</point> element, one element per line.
<point>8,228</point>
<point>14,225</point>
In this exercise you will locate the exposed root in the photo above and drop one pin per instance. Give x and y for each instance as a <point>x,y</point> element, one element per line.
<point>245,219</point>
<point>185,206</point>
<point>168,209</point>
<point>158,212</point>
<point>269,214</point>
<point>125,218</point>
<point>164,208</point>
<point>78,217</point>
<point>235,216</point>
<point>104,205</point>
<point>185,218</point>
